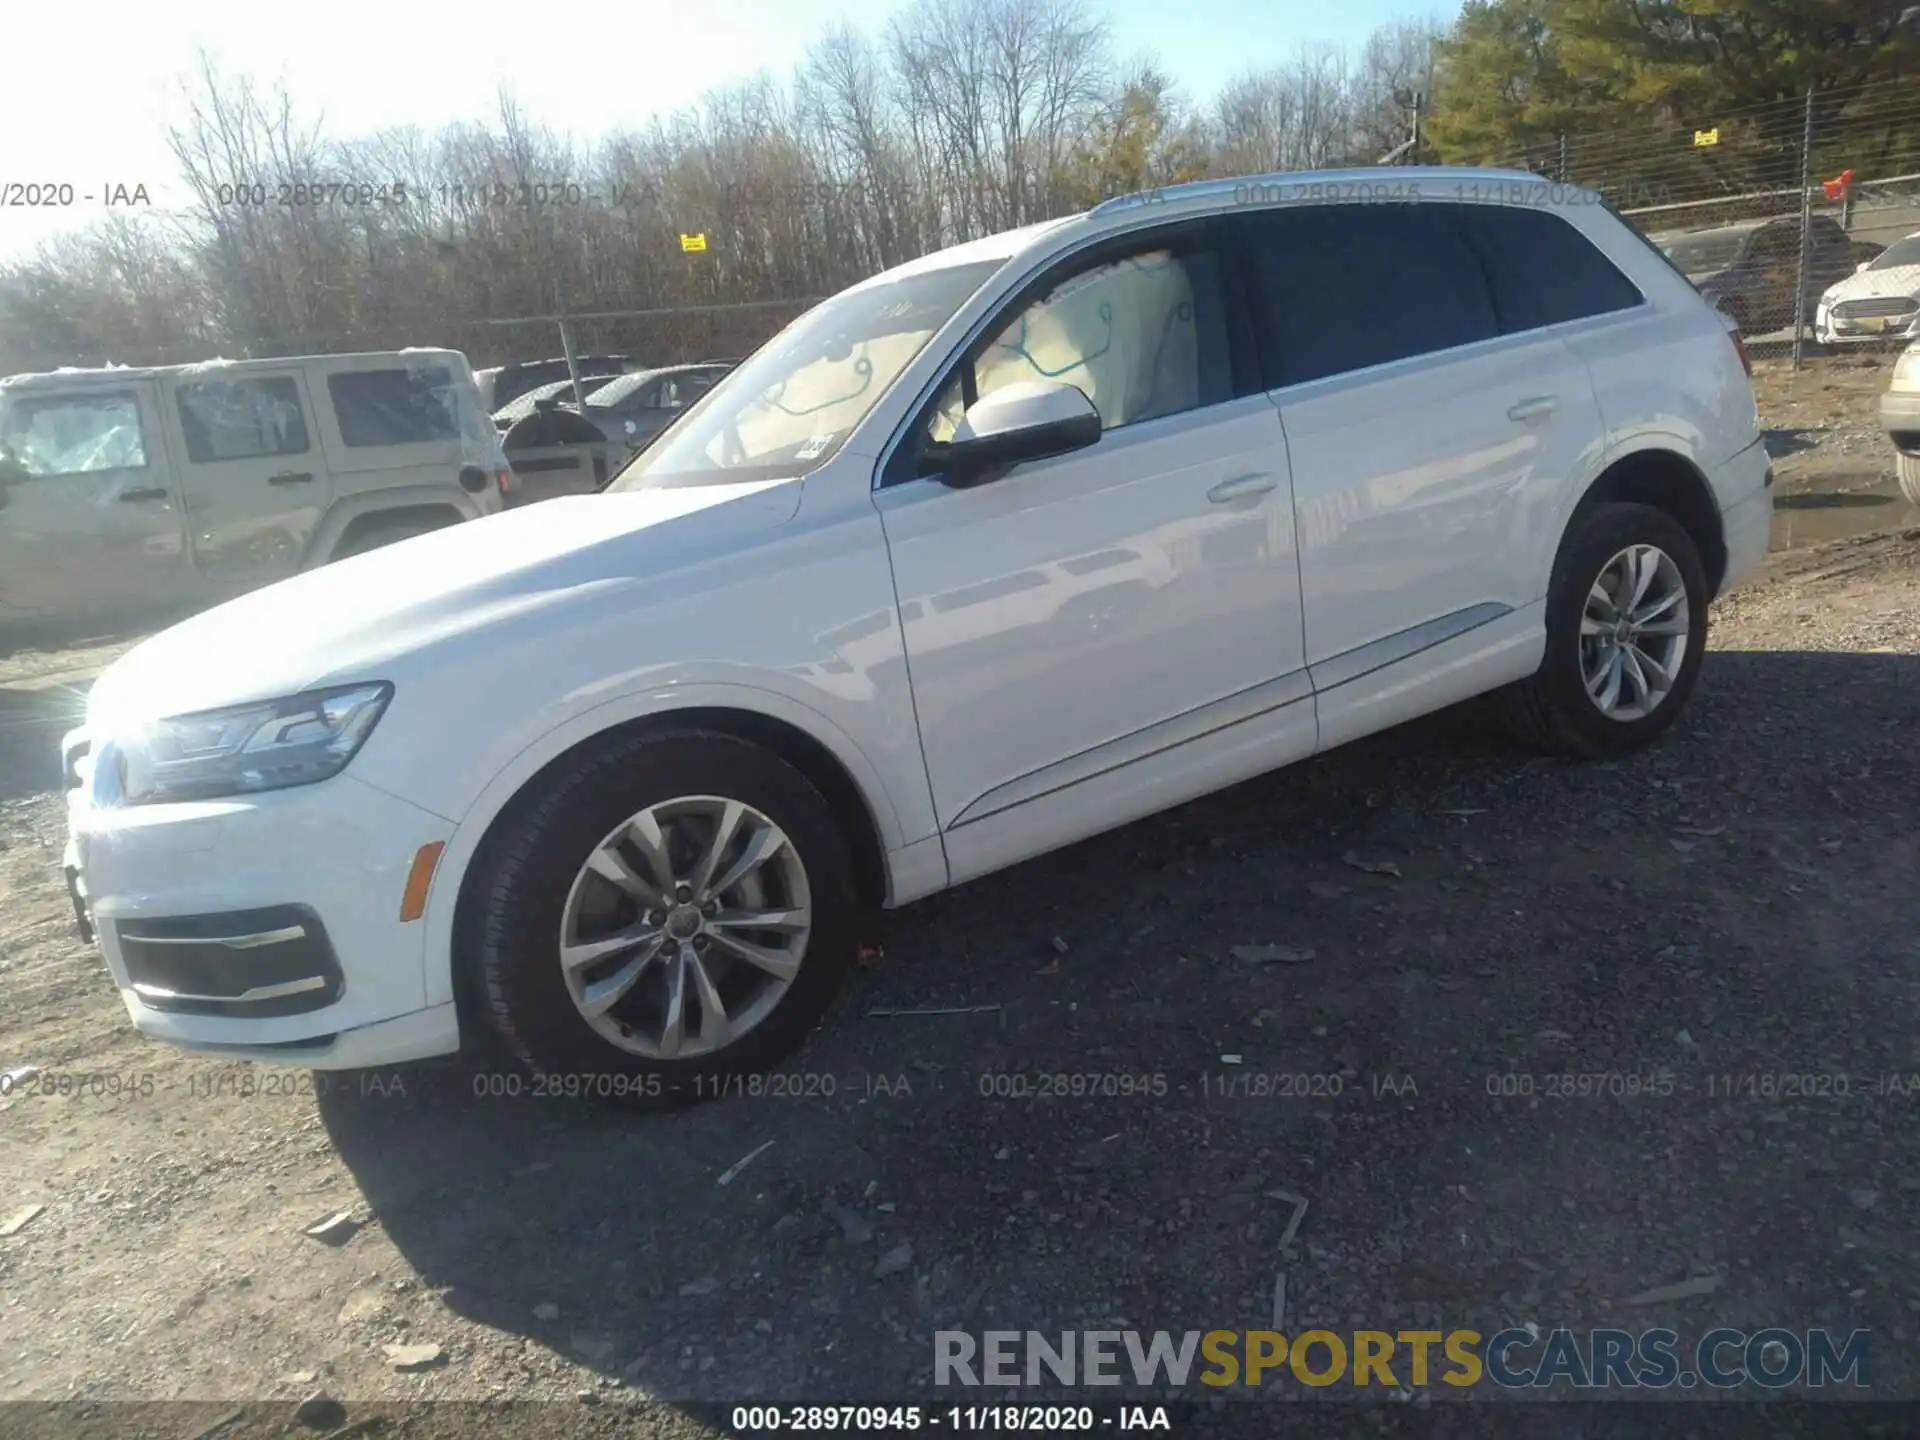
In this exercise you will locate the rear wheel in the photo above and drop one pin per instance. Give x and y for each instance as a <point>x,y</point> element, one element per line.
<point>375,537</point>
<point>1626,629</point>
<point>669,911</point>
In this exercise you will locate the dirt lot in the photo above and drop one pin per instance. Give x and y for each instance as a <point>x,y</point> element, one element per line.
<point>1738,904</point>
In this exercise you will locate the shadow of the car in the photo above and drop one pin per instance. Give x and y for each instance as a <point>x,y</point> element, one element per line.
<point>1832,500</point>
<point>1790,441</point>
<point>1066,1153</point>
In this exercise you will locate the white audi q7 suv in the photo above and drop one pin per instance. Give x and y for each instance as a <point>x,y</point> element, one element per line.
<point>1006,546</point>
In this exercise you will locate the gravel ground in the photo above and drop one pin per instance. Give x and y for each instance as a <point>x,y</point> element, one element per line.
<point>1736,904</point>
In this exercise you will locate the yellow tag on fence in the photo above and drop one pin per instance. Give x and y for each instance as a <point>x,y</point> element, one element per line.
<point>693,243</point>
<point>1707,137</point>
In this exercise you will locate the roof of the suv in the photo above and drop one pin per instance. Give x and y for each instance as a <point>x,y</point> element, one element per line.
<point>1200,197</point>
<point>110,375</point>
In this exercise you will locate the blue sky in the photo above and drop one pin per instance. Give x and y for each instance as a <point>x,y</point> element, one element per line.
<point>93,110</point>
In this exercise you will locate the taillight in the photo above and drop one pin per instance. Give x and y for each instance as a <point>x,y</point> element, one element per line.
<point>1740,349</point>
<point>503,477</point>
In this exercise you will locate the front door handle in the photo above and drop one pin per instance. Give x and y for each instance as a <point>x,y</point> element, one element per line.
<point>1241,486</point>
<point>154,492</point>
<point>1533,407</point>
<point>290,477</point>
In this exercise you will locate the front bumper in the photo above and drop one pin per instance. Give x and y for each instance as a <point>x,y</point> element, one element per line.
<point>266,926</point>
<point>1745,487</point>
<point>1829,329</point>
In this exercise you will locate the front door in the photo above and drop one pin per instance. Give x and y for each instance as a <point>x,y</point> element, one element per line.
<point>90,513</point>
<point>255,477</point>
<point>1075,623</point>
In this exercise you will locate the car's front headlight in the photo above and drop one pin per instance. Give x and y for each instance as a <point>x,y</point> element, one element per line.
<point>239,751</point>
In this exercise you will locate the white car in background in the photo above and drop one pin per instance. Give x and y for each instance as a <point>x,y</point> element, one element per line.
<point>1009,545</point>
<point>1880,301</point>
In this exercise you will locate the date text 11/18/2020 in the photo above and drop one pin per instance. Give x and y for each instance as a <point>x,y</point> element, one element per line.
<point>964,1419</point>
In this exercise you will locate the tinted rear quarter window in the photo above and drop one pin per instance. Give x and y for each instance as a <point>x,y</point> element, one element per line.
<point>395,407</point>
<point>1543,270</point>
<point>1344,287</point>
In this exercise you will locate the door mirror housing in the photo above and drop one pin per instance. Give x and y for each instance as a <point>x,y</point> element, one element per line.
<point>1031,420</point>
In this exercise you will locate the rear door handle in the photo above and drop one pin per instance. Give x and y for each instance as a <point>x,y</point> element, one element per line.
<point>1241,486</point>
<point>290,477</point>
<point>1534,407</point>
<point>156,492</point>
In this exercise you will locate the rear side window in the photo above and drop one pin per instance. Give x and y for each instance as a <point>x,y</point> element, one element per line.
<point>1344,287</point>
<point>241,419</point>
<point>1543,271</point>
<point>395,407</point>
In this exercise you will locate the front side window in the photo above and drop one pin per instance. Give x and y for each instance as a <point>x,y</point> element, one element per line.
<point>242,419</point>
<point>1345,287</point>
<point>395,407</point>
<point>790,408</point>
<point>72,435</point>
<point>1142,337</point>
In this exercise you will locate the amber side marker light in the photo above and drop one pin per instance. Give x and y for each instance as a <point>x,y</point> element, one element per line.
<point>413,900</point>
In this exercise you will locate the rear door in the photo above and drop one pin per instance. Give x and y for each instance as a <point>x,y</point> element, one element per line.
<point>90,511</point>
<point>1430,445</point>
<point>256,479</point>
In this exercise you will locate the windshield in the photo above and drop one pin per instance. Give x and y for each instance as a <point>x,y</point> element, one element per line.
<point>1703,254</point>
<point>790,408</point>
<point>1898,254</point>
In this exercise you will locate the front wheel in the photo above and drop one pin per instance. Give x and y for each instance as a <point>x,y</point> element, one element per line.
<point>1626,630</point>
<point>1909,467</point>
<point>669,911</point>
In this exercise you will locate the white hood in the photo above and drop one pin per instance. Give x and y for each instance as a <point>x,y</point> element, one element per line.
<point>344,621</point>
<point>1873,284</point>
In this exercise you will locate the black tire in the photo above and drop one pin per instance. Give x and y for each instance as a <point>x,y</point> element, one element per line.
<point>1551,709</point>
<point>520,887</point>
<point>1908,467</point>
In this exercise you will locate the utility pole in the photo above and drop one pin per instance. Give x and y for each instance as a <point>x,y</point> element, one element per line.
<point>1407,152</point>
<point>1806,229</point>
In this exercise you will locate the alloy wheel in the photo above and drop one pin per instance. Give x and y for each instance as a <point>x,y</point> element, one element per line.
<point>1634,632</point>
<point>685,927</point>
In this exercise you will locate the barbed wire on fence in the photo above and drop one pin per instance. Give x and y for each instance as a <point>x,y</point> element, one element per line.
<point>1792,167</point>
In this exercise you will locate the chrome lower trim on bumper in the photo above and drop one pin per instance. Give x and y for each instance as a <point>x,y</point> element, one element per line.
<point>233,942</point>
<point>247,997</point>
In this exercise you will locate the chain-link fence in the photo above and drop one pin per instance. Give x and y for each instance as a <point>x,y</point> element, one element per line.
<point>1799,219</point>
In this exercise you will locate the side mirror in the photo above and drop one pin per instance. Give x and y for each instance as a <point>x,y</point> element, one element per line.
<point>1031,420</point>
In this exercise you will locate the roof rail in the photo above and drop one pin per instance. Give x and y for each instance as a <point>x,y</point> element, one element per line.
<point>1228,185</point>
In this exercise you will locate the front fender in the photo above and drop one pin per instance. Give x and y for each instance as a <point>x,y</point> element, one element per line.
<point>652,703</point>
